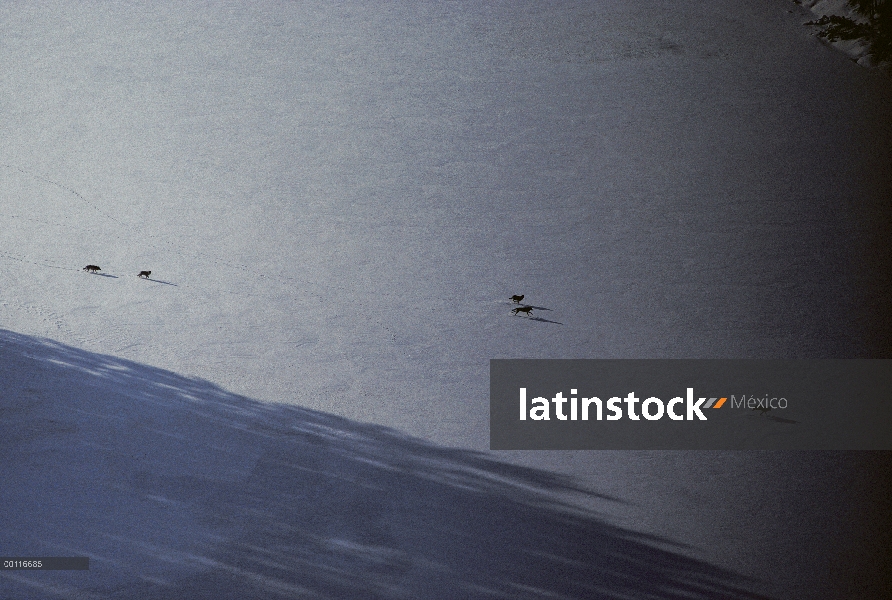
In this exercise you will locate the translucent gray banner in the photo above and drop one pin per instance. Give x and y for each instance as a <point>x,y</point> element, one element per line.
<point>691,404</point>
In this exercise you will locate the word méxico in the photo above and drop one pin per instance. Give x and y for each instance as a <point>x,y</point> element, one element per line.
<point>652,409</point>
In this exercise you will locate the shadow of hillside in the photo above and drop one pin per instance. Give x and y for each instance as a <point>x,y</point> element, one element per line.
<point>177,489</point>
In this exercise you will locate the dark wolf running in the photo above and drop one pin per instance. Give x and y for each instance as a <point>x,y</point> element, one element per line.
<point>522,309</point>
<point>516,298</point>
<point>92,268</point>
<point>144,274</point>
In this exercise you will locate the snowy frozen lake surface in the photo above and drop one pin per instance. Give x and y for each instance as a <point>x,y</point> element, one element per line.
<point>336,200</point>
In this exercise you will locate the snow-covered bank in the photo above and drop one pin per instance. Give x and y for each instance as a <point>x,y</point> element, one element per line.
<point>177,489</point>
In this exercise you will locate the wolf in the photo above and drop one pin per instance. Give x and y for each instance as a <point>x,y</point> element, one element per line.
<point>92,268</point>
<point>516,298</point>
<point>522,309</point>
<point>144,274</point>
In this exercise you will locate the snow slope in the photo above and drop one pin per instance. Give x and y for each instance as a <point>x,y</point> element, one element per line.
<point>176,488</point>
<point>336,200</point>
